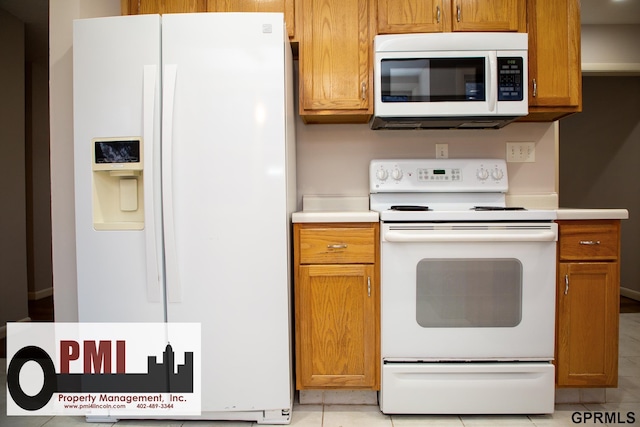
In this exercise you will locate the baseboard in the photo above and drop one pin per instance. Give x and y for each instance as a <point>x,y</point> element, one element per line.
<point>338,397</point>
<point>3,329</point>
<point>630,293</point>
<point>43,293</point>
<point>580,395</point>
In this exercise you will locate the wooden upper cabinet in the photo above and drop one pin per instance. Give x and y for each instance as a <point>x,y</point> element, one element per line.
<point>555,76</point>
<point>412,16</point>
<point>428,16</point>
<point>138,7</point>
<point>489,15</point>
<point>285,6</point>
<point>336,69</point>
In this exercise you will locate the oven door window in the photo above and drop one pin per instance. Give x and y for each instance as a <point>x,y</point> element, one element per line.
<point>433,80</point>
<point>469,293</point>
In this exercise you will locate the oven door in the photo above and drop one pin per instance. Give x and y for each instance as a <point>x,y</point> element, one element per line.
<point>468,291</point>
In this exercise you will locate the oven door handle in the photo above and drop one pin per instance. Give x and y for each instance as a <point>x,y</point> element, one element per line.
<point>449,236</point>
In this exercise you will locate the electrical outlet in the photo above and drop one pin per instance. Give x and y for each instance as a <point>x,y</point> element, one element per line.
<point>521,152</point>
<point>442,151</point>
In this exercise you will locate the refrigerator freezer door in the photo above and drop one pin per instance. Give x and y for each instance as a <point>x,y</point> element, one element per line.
<point>228,195</point>
<point>116,67</point>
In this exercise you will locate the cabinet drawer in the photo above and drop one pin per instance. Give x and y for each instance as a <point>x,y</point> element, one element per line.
<point>589,240</point>
<point>337,246</point>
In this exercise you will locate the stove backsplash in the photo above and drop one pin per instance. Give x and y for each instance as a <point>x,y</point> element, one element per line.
<point>334,159</point>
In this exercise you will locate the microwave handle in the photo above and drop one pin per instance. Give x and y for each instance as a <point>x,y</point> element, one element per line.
<point>493,81</point>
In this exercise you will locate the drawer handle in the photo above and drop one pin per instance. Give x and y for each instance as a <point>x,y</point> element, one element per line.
<point>590,242</point>
<point>338,246</point>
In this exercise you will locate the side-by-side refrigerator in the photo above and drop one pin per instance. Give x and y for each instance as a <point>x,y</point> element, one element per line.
<point>184,185</point>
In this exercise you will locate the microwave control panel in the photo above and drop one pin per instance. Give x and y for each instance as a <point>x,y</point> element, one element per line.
<point>510,72</point>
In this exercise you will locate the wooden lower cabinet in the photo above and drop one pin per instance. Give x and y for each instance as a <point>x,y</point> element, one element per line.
<point>336,327</point>
<point>336,307</point>
<point>588,332</point>
<point>588,301</point>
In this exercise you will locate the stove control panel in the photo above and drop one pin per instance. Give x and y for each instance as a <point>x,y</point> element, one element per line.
<point>438,175</point>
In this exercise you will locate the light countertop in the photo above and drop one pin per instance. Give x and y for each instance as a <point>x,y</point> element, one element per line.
<point>335,209</point>
<point>576,214</point>
<point>335,216</point>
<point>356,209</point>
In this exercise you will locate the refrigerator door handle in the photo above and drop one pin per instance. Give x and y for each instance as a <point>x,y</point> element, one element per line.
<point>172,277</point>
<point>154,289</point>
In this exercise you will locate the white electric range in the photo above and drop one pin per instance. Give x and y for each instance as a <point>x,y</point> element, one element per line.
<point>467,290</point>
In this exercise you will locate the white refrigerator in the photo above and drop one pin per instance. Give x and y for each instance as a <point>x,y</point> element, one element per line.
<point>184,185</point>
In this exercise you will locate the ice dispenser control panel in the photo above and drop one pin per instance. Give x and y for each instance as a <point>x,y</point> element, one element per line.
<point>117,154</point>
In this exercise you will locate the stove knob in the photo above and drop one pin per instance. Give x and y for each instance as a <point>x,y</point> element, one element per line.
<point>396,174</point>
<point>482,174</point>
<point>497,174</point>
<point>382,174</point>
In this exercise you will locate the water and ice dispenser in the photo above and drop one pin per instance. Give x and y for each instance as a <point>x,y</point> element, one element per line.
<point>118,183</point>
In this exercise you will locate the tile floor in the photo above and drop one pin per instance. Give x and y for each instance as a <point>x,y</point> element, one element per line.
<point>624,399</point>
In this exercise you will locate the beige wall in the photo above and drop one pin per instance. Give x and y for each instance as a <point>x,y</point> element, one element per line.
<point>13,251</point>
<point>599,157</point>
<point>38,181</point>
<point>334,159</point>
<point>610,49</point>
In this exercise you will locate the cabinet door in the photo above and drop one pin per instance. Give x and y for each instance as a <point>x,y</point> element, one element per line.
<point>554,56</point>
<point>335,61</point>
<point>284,6</point>
<point>411,16</point>
<point>139,7</point>
<point>587,327</point>
<point>336,327</point>
<point>489,15</point>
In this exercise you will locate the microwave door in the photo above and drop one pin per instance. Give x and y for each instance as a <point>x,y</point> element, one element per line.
<point>440,84</point>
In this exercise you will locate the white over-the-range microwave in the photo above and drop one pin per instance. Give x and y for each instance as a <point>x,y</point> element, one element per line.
<point>449,80</point>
